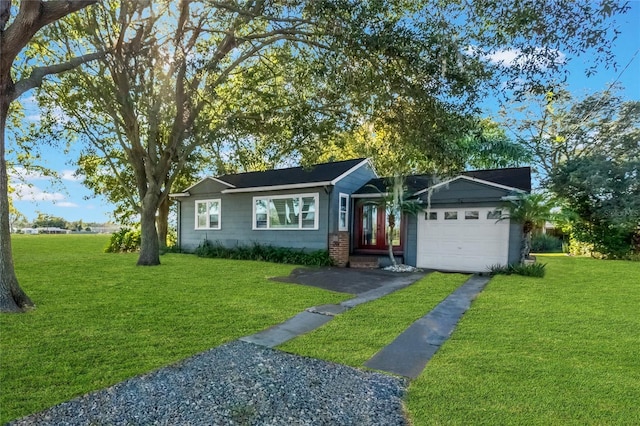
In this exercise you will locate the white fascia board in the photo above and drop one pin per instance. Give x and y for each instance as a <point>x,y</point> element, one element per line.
<point>179,194</point>
<point>277,187</point>
<point>351,170</point>
<point>372,195</point>
<point>471,179</point>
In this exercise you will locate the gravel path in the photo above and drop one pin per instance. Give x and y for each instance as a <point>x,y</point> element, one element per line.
<point>239,384</point>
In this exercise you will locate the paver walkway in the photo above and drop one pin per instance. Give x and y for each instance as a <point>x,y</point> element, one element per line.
<point>409,353</point>
<point>317,316</point>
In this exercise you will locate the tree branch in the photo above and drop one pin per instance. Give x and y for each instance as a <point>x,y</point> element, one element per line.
<point>32,16</point>
<point>38,74</point>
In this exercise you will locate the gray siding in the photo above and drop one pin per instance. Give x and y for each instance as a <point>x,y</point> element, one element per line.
<point>236,219</point>
<point>411,240</point>
<point>463,191</point>
<point>515,242</point>
<point>236,216</point>
<point>348,185</point>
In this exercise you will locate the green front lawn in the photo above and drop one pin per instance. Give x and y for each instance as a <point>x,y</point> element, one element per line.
<point>560,350</point>
<point>100,319</point>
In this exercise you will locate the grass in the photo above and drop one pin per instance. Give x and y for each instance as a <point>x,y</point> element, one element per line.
<point>558,350</point>
<point>355,336</point>
<point>100,319</point>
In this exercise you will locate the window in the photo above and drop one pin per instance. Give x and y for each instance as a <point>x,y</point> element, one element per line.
<point>471,215</point>
<point>431,216</point>
<point>450,215</point>
<point>207,214</point>
<point>343,213</point>
<point>494,214</point>
<point>285,212</point>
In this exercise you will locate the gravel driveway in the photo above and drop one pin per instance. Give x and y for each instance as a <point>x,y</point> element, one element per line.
<point>239,384</point>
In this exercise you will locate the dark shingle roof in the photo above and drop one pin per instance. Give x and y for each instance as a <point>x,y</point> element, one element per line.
<point>325,172</point>
<point>514,177</point>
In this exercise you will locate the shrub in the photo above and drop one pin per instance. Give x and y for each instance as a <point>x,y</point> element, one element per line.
<point>264,253</point>
<point>124,241</point>
<point>533,270</point>
<point>544,243</point>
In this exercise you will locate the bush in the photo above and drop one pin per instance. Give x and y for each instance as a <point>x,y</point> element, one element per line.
<point>124,241</point>
<point>544,243</point>
<point>533,270</point>
<point>264,253</point>
<point>607,241</point>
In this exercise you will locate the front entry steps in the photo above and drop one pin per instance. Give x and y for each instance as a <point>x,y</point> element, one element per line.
<point>372,261</point>
<point>364,262</point>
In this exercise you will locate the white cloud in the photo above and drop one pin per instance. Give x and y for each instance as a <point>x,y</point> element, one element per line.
<point>66,204</point>
<point>504,57</point>
<point>25,192</point>
<point>22,174</point>
<point>512,57</point>
<point>70,175</point>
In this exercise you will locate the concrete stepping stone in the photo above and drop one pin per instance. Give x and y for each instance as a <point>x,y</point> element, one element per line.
<point>317,316</point>
<point>409,353</point>
<point>302,323</point>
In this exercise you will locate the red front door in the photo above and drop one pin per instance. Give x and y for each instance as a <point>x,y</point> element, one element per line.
<point>371,228</point>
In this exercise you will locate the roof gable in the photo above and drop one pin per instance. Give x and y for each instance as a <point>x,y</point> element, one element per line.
<point>509,179</point>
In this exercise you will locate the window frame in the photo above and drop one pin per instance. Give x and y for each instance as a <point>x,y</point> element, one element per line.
<point>343,196</point>
<point>451,215</point>
<point>495,214</point>
<point>208,203</point>
<point>268,198</point>
<point>471,215</point>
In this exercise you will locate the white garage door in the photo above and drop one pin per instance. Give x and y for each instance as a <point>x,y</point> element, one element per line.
<point>462,239</point>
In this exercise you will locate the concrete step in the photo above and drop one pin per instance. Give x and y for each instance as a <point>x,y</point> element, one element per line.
<point>364,262</point>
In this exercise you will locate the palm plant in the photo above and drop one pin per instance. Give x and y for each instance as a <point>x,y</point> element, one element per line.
<point>531,211</point>
<point>397,200</point>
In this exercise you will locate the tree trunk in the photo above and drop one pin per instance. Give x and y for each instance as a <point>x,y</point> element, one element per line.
<point>390,246</point>
<point>526,246</point>
<point>162,222</point>
<point>149,245</point>
<point>12,298</point>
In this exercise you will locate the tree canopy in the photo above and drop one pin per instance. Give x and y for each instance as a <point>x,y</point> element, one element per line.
<point>562,128</point>
<point>253,79</point>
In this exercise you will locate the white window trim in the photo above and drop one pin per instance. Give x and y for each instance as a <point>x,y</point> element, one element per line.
<point>209,228</point>
<point>316,199</point>
<point>346,221</point>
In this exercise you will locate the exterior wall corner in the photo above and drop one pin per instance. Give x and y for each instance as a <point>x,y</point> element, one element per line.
<point>339,248</point>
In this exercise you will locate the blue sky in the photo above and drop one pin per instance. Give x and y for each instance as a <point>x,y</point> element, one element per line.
<point>69,199</point>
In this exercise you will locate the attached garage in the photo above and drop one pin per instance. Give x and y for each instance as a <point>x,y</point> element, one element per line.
<point>460,230</point>
<point>466,239</point>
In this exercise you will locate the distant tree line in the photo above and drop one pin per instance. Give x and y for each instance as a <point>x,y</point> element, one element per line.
<point>44,220</point>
